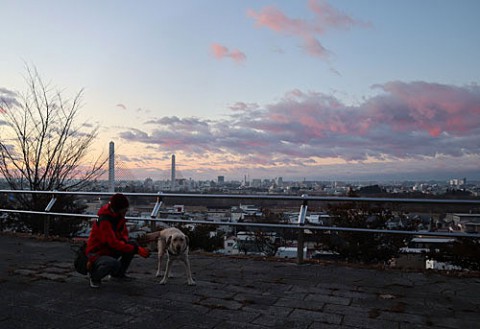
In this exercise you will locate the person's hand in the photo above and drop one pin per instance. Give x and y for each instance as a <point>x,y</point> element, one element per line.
<point>143,252</point>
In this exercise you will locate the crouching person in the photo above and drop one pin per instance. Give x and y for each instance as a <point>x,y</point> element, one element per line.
<point>109,250</point>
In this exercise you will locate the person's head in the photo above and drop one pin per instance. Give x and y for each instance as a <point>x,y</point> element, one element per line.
<point>119,203</point>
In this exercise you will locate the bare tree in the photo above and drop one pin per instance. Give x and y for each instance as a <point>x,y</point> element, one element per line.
<point>42,148</point>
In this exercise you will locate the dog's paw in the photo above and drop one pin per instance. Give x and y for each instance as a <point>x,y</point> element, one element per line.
<point>158,274</point>
<point>191,283</point>
<point>163,281</point>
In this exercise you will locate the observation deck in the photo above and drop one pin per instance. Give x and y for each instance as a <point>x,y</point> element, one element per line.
<point>40,289</point>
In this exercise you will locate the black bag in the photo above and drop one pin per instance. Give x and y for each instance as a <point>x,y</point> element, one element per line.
<point>80,261</point>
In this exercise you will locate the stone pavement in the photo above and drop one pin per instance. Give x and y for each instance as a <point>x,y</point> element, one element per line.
<point>39,289</point>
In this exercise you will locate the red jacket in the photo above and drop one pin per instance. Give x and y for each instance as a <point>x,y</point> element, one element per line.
<point>109,235</point>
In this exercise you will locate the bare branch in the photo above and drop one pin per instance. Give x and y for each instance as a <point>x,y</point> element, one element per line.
<point>44,146</point>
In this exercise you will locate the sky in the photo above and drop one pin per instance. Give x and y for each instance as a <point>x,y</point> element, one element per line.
<point>307,89</point>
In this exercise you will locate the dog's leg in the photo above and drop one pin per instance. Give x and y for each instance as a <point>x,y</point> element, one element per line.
<point>159,268</point>
<point>188,271</point>
<point>167,271</point>
<point>161,252</point>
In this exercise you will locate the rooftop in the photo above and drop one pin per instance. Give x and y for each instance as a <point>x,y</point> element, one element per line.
<point>39,289</point>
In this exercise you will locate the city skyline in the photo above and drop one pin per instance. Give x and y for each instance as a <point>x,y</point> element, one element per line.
<point>127,174</point>
<point>315,90</point>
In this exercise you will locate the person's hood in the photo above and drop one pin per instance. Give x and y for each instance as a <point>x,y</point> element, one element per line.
<point>107,211</point>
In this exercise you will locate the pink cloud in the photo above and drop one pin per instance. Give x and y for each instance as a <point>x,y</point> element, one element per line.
<point>415,120</point>
<point>433,107</point>
<point>277,21</point>
<point>325,18</point>
<point>238,56</point>
<point>313,47</point>
<point>219,51</point>
<point>241,106</point>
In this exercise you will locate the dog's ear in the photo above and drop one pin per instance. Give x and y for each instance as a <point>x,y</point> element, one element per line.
<point>169,241</point>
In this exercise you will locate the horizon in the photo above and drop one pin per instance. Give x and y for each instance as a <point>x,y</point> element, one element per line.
<point>300,180</point>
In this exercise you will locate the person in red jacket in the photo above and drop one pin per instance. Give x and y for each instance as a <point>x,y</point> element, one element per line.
<point>109,249</point>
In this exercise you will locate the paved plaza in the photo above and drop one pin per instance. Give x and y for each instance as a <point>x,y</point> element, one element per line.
<point>39,289</point>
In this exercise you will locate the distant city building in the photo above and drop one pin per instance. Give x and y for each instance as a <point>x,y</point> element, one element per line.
<point>172,187</point>
<point>256,182</point>
<point>148,184</point>
<point>279,181</point>
<point>221,180</point>
<point>458,182</point>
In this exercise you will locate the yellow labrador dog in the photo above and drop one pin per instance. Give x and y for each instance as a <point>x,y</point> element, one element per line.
<point>174,243</point>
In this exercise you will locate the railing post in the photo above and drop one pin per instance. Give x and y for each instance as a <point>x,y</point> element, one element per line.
<point>154,215</point>
<point>46,223</point>
<point>156,209</point>
<point>301,221</point>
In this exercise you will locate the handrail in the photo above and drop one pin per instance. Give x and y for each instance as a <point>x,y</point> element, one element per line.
<point>268,225</point>
<point>299,226</point>
<point>263,197</point>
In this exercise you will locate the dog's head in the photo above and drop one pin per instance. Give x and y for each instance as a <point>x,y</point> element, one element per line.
<point>177,243</point>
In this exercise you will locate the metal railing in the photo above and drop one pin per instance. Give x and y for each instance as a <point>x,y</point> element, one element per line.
<point>300,225</point>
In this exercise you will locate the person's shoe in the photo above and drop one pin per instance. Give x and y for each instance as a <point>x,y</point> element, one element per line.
<point>95,283</point>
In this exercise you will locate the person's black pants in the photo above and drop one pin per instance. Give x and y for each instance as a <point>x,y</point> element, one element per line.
<point>116,265</point>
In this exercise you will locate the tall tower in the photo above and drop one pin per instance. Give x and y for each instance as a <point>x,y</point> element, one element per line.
<point>172,187</point>
<point>111,168</point>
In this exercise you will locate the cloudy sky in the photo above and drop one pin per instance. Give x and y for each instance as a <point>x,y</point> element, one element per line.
<point>306,89</point>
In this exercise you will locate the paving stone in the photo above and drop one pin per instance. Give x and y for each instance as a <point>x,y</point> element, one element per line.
<point>368,323</point>
<point>237,325</point>
<point>297,303</point>
<point>233,315</point>
<point>319,298</point>
<point>344,309</point>
<point>51,276</point>
<point>324,317</point>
